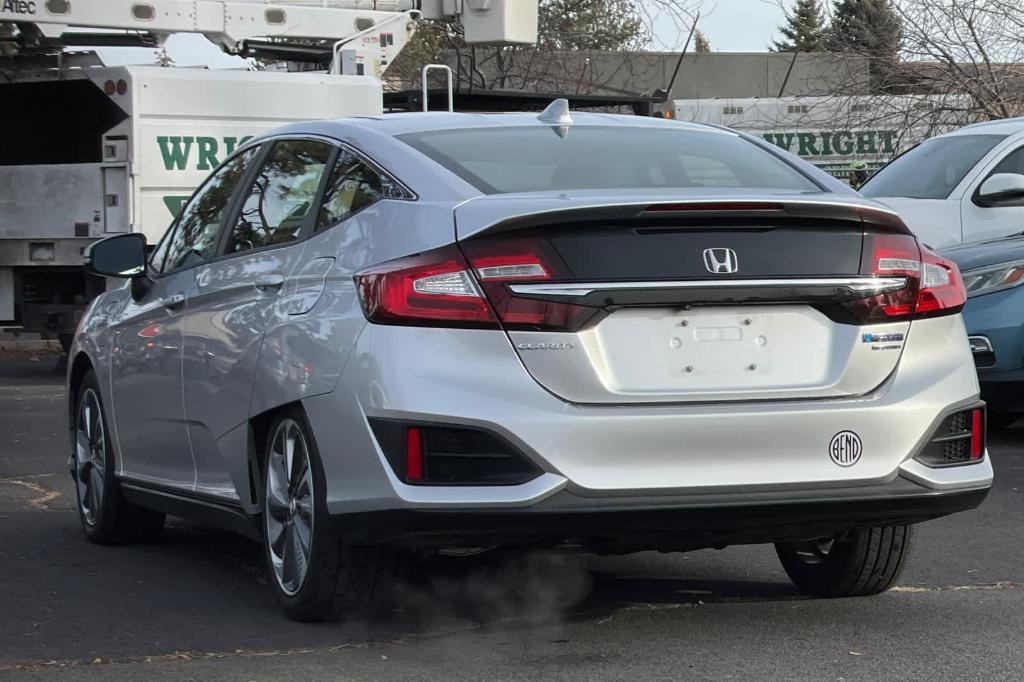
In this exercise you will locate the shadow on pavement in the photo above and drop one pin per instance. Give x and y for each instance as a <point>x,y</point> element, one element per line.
<point>200,590</point>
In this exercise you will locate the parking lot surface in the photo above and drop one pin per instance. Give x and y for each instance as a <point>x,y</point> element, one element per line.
<point>196,605</point>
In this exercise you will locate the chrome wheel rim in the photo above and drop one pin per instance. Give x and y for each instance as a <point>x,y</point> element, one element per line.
<point>814,552</point>
<point>90,456</point>
<point>289,506</point>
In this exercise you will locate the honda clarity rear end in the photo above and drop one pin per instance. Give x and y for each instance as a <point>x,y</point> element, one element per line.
<point>469,331</point>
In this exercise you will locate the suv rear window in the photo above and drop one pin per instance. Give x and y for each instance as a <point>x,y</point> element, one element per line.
<point>932,169</point>
<point>500,160</point>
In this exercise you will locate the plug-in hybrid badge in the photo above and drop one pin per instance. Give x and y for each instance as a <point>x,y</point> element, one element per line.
<point>721,261</point>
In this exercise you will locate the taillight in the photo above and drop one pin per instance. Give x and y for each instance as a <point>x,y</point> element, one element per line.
<point>933,284</point>
<point>433,288</point>
<point>498,263</point>
<point>444,288</point>
<point>942,286</point>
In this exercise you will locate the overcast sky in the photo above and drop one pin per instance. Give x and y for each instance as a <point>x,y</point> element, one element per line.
<point>730,25</point>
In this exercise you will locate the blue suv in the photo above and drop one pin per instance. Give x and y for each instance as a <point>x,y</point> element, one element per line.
<point>993,273</point>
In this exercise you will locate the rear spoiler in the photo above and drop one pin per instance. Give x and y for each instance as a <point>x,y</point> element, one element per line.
<point>502,214</point>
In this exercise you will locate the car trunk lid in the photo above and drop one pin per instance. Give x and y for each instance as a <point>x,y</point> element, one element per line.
<point>692,300</point>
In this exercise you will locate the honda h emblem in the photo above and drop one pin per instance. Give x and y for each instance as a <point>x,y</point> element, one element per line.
<point>721,261</point>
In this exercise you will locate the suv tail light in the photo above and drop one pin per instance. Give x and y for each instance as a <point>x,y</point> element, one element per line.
<point>445,288</point>
<point>934,285</point>
<point>942,287</point>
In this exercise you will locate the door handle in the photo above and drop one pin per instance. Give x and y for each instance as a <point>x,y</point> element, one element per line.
<point>174,301</point>
<point>272,281</point>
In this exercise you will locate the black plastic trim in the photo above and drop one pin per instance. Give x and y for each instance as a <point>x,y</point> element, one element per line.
<point>390,436</point>
<point>643,523</point>
<point>194,507</point>
<point>924,453</point>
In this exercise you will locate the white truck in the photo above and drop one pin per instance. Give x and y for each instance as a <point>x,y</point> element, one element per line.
<point>830,132</point>
<point>90,150</point>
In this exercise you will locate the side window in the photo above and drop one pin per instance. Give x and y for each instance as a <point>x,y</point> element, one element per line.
<point>196,234</point>
<point>156,259</point>
<point>1012,163</point>
<point>282,196</point>
<point>353,186</point>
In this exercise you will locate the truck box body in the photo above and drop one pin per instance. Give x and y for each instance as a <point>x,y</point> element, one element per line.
<point>830,132</point>
<point>97,151</point>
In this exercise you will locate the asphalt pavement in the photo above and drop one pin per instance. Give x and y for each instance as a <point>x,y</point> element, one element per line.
<point>196,605</point>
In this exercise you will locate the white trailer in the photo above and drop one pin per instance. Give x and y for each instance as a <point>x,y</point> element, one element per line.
<point>90,150</point>
<point>830,132</point>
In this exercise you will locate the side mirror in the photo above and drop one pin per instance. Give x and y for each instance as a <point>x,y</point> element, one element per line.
<point>1000,188</point>
<point>122,255</point>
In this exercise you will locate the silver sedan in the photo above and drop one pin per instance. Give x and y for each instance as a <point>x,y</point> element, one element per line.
<point>455,331</point>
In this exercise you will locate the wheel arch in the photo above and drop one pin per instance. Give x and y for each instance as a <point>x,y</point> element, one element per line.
<point>79,367</point>
<point>259,434</point>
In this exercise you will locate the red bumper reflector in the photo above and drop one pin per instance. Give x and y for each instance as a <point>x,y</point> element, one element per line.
<point>414,454</point>
<point>977,434</point>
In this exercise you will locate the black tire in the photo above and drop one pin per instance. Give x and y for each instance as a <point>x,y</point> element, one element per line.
<point>997,421</point>
<point>106,517</point>
<point>339,580</point>
<point>864,563</point>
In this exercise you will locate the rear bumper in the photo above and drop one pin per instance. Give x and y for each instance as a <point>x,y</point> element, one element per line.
<point>670,523</point>
<point>473,378</point>
<point>997,343</point>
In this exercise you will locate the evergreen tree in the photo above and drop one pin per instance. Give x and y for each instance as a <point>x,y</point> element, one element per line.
<point>804,29</point>
<point>590,25</point>
<point>868,28</point>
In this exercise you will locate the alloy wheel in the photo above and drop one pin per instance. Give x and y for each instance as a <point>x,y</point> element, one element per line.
<point>289,506</point>
<point>90,456</point>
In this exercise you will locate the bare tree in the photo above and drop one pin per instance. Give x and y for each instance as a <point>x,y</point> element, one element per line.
<point>584,46</point>
<point>968,47</point>
<point>668,22</point>
<point>954,62</point>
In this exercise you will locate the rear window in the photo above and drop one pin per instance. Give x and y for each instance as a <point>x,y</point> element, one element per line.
<point>932,169</point>
<point>536,158</point>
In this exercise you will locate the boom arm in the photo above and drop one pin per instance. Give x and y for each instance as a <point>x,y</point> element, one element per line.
<point>230,23</point>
